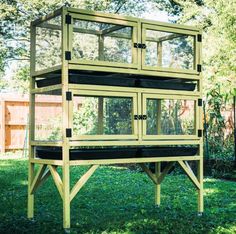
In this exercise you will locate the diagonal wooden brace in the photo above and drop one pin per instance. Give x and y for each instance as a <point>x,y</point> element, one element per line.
<point>189,173</point>
<point>37,178</point>
<point>82,181</point>
<point>165,172</point>
<point>57,179</point>
<point>148,171</point>
<point>45,175</point>
<point>43,178</point>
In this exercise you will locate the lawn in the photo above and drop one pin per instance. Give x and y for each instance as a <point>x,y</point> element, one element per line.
<point>116,200</point>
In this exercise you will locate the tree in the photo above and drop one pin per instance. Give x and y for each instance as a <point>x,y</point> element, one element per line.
<point>218,21</point>
<point>15,17</point>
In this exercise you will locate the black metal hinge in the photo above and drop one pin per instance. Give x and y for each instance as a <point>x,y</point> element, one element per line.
<point>68,132</point>
<point>199,68</point>
<point>68,96</point>
<point>140,117</point>
<point>199,37</point>
<point>140,45</point>
<point>199,133</point>
<point>199,102</point>
<point>68,19</point>
<point>67,55</point>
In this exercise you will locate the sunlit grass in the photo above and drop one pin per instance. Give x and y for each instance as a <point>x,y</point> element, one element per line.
<point>116,200</point>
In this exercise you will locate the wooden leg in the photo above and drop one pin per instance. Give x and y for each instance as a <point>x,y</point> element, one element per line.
<point>66,189</point>
<point>200,190</point>
<point>158,184</point>
<point>30,212</point>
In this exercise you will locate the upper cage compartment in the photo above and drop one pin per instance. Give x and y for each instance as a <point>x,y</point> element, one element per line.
<point>99,42</point>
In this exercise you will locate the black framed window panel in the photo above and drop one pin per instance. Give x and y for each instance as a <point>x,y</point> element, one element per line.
<point>171,50</point>
<point>101,41</point>
<point>98,115</point>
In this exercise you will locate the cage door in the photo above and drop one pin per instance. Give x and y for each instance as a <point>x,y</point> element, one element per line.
<point>170,117</point>
<point>103,41</point>
<point>170,49</point>
<point>103,115</point>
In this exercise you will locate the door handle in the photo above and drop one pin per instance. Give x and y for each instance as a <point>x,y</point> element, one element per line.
<point>140,117</point>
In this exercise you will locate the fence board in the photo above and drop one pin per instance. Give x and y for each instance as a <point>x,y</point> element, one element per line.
<point>14,111</point>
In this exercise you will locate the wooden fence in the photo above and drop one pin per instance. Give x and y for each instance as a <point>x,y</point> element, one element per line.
<point>14,111</point>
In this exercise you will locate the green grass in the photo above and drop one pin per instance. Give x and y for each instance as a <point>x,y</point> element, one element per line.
<point>116,200</point>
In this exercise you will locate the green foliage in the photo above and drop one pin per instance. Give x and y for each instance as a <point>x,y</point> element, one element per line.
<point>15,18</point>
<point>116,116</point>
<point>173,121</point>
<point>116,200</point>
<point>20,82</point>
<point>220,143</point>
<point>218,21</point>
<point>85,120</point>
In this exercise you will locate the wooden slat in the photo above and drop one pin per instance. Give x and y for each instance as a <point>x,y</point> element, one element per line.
<point>189,173</point>
<point>37,178</point>
<point>149,173</point>
<point>132,160</point>
<point>3,127</point>
<point>165,172</point>
<point>82,181</point>
<point>57,179</point>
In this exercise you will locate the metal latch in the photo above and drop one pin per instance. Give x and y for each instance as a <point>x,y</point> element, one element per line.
<point>140,45</point>
<point>140,117</point>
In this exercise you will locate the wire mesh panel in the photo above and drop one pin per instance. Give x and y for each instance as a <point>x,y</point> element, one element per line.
<point>48,43</point>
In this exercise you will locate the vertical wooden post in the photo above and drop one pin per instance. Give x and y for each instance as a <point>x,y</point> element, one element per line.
<point>200,191</point>
<point>31,120</point>
<point>66,186</point>
<point>67,31</point>
<point>101,47</point>
<point>159,116</point>
<point>200,162</point>
<point>100,115</point>
<point>159,54</point>
<point>158,185</point>
<point>3,127</point>
<point>100,99</point>
<point>158,164</point>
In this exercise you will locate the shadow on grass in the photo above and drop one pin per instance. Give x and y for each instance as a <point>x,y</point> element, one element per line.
<point>116,200</point>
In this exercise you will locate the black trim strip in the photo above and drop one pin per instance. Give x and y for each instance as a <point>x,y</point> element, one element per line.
<point>68,132</point>
<point>199,102</point>
<point>199,67</point>
<point>68,19</point>
<point>199,37</point>
<point>67,55</point>
<point>199,133</point>
<point>68,96</point>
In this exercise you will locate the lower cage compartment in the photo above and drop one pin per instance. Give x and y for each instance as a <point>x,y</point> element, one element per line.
<point>115,153</point>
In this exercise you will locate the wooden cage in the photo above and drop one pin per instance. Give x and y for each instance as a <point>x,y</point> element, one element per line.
<point>130,91</point>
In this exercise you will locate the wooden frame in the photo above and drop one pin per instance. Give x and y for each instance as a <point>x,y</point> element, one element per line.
<point>170,97</point>
<point>48,167</point>
<point>105,93</point>
<point>161,28</point>
<point>138,36</point>
<point>107,20</point>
